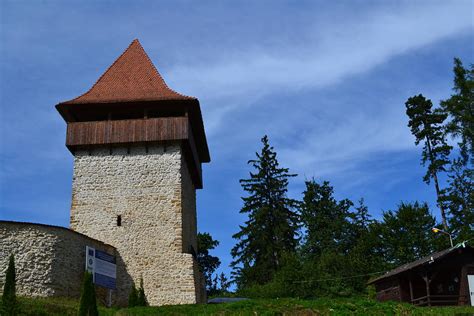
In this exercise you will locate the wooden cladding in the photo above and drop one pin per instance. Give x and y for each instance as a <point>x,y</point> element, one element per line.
<point>152,130</point>
<point>127,131</point>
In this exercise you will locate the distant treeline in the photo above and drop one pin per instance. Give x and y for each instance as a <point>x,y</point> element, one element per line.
<point>321,246</point>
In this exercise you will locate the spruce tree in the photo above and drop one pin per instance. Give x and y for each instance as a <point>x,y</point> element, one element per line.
<point>9,302</point>
<point>326,220</point>
<point>271,228</point>
<point>88,303</point>
<point>426,125</point>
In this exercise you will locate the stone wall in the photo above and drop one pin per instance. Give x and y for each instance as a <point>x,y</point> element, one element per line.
<point>49,260</point>
<point>146,187</point>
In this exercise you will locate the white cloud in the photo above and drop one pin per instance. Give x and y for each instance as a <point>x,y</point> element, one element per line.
<point>331,52</point>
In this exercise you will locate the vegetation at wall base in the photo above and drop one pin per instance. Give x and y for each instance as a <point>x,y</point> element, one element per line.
<point>137,296</point>
<point>88,301</point>
<point>9,303</point>
<point>283,306</point>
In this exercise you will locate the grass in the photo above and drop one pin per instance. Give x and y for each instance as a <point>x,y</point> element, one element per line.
<point>322,306</point>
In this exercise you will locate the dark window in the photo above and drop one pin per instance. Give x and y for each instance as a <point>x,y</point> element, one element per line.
<point>119,220</point>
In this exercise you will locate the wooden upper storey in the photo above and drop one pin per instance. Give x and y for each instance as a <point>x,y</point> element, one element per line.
<point>131,103</point>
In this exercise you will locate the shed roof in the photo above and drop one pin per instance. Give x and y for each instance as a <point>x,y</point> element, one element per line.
<point>132,77</point>
<point>425,260</point>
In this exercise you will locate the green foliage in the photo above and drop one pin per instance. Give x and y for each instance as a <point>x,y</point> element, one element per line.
<point>141,299</point>
<point>406,233</point>
<point>88,303</point>
<point>207,263</point>
<point>320,306</point>
<point>459,200</point>
<point>219,285</point>
<point>460,109</point>
<point>326,220</point>
<point>459,197</point>
<point>137,297</point>
<point>133,297</point>
<point>9,301</point>
<point>426,125</point>
<point>271,228</point>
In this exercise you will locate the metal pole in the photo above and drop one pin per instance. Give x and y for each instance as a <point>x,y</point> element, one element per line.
<point>109,298</point>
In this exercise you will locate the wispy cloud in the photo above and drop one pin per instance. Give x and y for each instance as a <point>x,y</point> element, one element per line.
<point>331,52</point>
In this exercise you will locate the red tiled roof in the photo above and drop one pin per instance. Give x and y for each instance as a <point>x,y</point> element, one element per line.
<point>132,77</point>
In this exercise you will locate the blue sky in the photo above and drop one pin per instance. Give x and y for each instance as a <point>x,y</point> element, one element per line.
<point>326,81</point>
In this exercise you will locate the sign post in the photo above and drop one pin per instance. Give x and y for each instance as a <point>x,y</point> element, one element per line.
<point>470,280</point>
<point>103,267</point>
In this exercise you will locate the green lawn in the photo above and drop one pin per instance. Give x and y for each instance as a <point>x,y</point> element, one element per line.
<point>323,306</point>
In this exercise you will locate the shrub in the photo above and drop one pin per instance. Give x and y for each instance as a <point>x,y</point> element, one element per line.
<point>9,302</point>
<point>88,304</point>
<point>133,297</point>
<point>141,301</point>
<point>137,296</point>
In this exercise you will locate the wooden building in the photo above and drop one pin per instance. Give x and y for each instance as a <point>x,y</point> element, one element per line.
<point>438,279</point>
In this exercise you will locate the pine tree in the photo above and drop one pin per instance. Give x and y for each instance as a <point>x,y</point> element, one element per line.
<point>426,125</point>
<point>88,303</point>
<point>9,302</point>
<point>326,220</point>
<point>271,228</point>
<point>460,109</point>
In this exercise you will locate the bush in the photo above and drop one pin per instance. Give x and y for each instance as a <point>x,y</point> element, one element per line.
<point>137,296</point>
<point>9,302</point>
<point>133,297</point>
<point>141,301</point>
<point>88,303</point>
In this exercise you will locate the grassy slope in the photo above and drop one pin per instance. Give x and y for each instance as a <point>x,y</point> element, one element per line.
<point>354,306</point>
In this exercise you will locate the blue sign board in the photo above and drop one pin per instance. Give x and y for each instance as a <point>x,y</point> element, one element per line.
<point>103,267</point>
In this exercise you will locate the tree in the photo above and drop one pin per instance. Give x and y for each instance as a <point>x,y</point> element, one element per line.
<point>325,220</point>
<point>426,125</point>
<point>207,263</point>
<point>460,109</point>
<point>459,200</point>
<point>9,303</point>
<point>271,228</point>
<point>406,233</point>
<point>88,303</point>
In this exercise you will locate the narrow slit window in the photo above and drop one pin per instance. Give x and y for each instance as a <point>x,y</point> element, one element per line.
<point>119,220</point>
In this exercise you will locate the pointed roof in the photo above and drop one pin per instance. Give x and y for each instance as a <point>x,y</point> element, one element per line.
<point>132,77</point>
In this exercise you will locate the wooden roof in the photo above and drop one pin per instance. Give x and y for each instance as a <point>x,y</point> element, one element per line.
<point>131,78</point>
<point>423,261</point>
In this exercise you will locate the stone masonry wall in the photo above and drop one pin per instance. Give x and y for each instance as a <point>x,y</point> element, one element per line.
<point>144,186</point>
<point>49,260</point>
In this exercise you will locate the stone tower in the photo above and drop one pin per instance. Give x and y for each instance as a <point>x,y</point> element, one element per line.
<point>138,148</point>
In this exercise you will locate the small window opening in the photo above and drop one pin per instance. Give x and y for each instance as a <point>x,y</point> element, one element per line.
<point>119,220</point>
